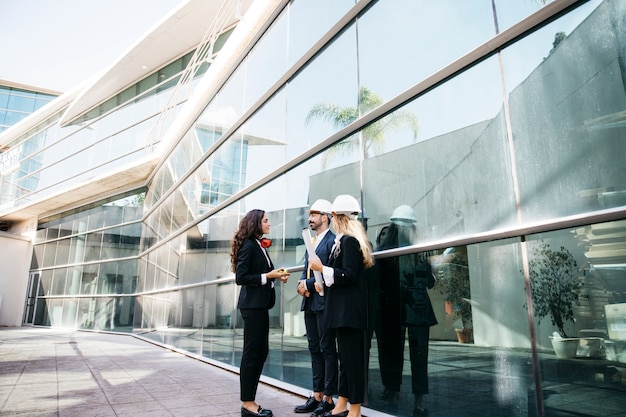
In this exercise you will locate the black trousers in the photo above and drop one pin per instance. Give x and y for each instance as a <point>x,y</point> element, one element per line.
<point>256,328</point>
<point>418,351</point>
<point>323,349</point>
<point>351,352</point>
<point>391,354</point>
<point>391,351</point>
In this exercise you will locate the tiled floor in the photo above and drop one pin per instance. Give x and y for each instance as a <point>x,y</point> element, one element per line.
<point>51,372</point>
<point>48,372</point>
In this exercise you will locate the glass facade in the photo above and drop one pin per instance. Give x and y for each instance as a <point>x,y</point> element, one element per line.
<point>16,104</point>
<point>92,251</point>
<point>125,128</point>
<point>492,127</point>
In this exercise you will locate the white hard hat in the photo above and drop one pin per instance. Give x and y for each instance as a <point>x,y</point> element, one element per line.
<point>403,215</point>
<point>322,206</point>
<point>346,204</point>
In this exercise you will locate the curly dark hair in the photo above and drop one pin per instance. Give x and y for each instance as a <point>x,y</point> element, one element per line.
<point>249,227</point>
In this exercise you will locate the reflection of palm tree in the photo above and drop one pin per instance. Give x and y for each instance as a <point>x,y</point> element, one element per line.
<point>373,135</point>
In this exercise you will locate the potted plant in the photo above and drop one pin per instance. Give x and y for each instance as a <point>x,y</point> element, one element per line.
<point>554,287</point>
<point>454,284</point>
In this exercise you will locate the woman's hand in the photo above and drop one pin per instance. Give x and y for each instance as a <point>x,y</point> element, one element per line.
<point>280,274</point>
<point>315,264</point>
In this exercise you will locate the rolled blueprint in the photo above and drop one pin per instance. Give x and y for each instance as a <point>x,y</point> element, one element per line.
<point>306,236</point>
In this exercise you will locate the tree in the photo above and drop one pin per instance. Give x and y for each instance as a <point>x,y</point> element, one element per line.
<point>558,38</point>
<point>373,135</point>
<point>554,284</point>
<point>453,282</point>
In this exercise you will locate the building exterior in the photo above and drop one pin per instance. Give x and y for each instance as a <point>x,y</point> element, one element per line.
<point>498,123</point>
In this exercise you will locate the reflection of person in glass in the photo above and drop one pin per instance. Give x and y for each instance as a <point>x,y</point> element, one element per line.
<point>321,341</point>
<point>255,273</point>
<point>404,281</point>
<point>345,302</point>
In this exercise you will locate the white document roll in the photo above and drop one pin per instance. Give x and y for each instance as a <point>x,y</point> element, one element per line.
<point>306,236</point>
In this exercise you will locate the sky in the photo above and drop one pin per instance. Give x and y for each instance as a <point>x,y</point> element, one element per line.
<point>57,44</point>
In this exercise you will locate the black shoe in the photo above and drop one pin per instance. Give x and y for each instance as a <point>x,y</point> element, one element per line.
<point>420,412</point>
<point>310,405</point>
<point>324,407</point>
<point>261,412</point>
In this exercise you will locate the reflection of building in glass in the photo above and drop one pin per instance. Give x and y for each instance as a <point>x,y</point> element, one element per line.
<point>132,186</point>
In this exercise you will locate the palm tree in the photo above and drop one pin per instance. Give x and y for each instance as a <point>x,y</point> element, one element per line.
<point>373,135</point>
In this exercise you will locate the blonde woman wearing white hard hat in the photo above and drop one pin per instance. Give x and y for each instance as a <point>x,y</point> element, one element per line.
<point>346,302</point>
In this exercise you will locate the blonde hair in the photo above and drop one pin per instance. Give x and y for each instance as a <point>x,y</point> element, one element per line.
<point>349,227</point>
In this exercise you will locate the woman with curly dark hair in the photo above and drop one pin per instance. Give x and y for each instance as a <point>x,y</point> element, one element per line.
<point>255,273</point>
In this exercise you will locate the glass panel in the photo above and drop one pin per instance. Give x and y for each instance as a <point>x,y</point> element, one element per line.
<point>309,21</point>
<point>459,161</point>
<point>227,106</point>
<point>37,259</point>
<point>511,12</point>
<point>77,249</point>
<point>55,312</point>
<point>579,302</point>
<point>74,279</point>
<point>63,252</point>
<point>58,282</point>
<point>89,282</point>
<point>134,210</point>
<point>129,239</point>
<point>69,313</point>
<point>323,98</point>
<point>21,103</point>
<point>113,214</point>
<point>141,274</point>
<point>263,145</point>
<point>50,250</point>
<point>4,97</point>
<point>267,60</point>
<point>96,218</point>
<point>103,314</point>
<point>111,241</point>
<point>66,227</point>
<point>85,314</point>
<point>93,246</point>
<point>568,144</point>
<point>403,42</point>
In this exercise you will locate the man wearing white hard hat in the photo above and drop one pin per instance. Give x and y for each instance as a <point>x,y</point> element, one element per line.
<point>321,341</point>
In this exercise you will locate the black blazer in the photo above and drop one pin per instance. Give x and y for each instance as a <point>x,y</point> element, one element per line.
<point>315,302</point>
<point>251,263</point>
<point>346,299</point>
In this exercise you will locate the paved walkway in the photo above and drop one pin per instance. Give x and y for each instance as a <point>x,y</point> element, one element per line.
<point>50,372</point>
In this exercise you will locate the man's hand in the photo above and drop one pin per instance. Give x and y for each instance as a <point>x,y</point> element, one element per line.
<point>302,289</point>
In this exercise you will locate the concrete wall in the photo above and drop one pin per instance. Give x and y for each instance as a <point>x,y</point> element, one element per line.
<point>15,254</point>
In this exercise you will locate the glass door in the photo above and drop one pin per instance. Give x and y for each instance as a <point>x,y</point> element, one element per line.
<point>31,297</point>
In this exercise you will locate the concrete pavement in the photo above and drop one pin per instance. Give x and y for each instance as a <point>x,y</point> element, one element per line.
<point>66,373</point>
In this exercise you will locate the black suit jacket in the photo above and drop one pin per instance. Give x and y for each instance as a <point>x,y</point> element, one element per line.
<point>346,299</point>
<point>315,302</point>
<point>251,263</point>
